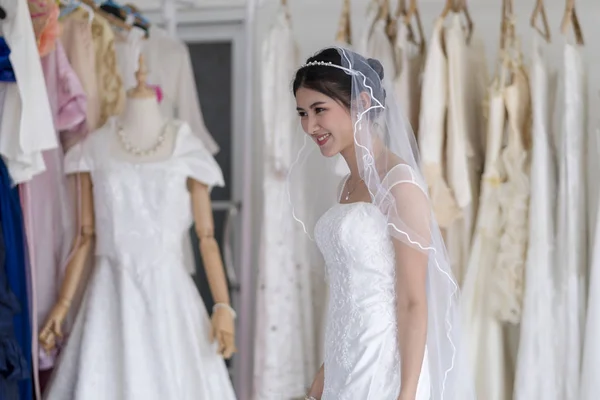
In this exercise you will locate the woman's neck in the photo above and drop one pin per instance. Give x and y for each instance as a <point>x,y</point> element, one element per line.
<point>349,155</point>
<point>142,120</point>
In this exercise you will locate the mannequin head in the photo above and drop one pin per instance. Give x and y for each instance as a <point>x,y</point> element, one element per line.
<point>323,98</point>
<point>141,91</point>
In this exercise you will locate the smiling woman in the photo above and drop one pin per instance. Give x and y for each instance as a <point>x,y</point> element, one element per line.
<point>392,294</point>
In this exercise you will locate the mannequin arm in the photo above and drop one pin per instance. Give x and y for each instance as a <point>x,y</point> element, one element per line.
<point>81,248</point>
<point>222,319</point>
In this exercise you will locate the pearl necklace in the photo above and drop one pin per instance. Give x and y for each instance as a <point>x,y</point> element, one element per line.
<point>136,151</point>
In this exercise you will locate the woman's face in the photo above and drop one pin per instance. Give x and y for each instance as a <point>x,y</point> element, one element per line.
<point>325,120</point>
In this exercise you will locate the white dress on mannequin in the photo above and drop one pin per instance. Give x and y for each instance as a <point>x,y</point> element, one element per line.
<point>537,375</point>
<point>142,331</point>
<point>362,358</point>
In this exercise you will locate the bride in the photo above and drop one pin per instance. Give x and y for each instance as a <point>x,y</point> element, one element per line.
<point>392,330</point>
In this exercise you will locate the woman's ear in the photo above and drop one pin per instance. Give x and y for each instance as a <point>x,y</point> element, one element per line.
<point>365,100</point>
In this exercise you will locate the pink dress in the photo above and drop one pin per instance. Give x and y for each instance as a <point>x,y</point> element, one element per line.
<point>47,200</point>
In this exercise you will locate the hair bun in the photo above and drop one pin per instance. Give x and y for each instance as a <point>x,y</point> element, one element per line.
<point>377,67</point>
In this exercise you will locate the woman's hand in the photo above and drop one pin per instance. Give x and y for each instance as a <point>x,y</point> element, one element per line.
<point>223,331</point>
<point>53,327</point>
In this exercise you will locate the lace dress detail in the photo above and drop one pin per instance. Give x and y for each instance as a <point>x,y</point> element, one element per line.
<point>509,271</point>
<point>362,359</point>
<point>110,84</point>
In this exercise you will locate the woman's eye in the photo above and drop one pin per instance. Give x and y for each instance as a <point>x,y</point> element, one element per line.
<point>301,114</point>
<point>319,110</point>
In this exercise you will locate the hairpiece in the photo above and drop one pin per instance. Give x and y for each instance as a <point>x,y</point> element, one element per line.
<point>327,64</point>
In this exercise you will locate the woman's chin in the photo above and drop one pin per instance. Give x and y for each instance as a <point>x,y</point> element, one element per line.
<point>328,151</point>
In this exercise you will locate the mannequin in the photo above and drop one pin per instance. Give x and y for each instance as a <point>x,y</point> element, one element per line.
<point>142,125</point>
<point>143,128</point>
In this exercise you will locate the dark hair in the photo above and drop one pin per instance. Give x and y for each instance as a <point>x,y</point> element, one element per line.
<point>335,82</point>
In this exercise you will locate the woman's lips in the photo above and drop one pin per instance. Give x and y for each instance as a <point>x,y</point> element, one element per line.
<point>322,139</point>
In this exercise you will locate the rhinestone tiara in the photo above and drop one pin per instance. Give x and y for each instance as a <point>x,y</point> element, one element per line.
<point>326,64</point>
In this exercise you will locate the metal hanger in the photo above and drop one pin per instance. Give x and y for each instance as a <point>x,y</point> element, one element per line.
<point>540,10</point>
<point>570,18</point>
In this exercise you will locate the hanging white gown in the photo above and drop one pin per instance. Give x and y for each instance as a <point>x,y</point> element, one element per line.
<point>407,83</point>
<point>432,125</point>
<point>26,124</point>
<point>483,330</point>
<point>375,43</point>
<point>537,374</point>
<point>571,239</point>
<point>285,351</point>
<point>590,366</point>
<point>464,147</point>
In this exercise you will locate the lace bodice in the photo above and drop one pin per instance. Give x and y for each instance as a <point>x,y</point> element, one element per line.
<point>360,269</point>
<point>143,210</point>
<point>355,243</point>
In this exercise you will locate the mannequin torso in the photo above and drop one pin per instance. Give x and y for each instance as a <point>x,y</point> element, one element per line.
<point>142,126</point>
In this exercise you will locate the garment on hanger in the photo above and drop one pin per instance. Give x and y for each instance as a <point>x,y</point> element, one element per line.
<point>47,200</point>
<point>26,127</point>
<point>170,68</point>
<point>78,44</point>
<point>508,269</point>
<point>159,328</point>
<point>484,331</point>
<point>467,77</point>
<point>14,365</point>
<point>285,300</point>
<point>110,83</point>
<point>128,50</point>
<point>571,239</point>
<point>362,47</point>
<point>432,125</point>
<point>14,266</point>
<point>590,365</point>
<point>7,74</point>
<point>44,17</point>
<point>537,371</point>
<point>407,83</point>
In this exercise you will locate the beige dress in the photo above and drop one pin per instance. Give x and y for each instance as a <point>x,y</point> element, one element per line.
<point>464,146</point>
<point>407,83</point>
<point>77,41</point>
<point>509,269</point>
<point>432,129</point>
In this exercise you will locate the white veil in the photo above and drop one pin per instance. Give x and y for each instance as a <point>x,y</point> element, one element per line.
<point>388,162</point>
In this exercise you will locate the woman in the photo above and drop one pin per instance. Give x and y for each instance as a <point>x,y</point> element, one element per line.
<point>392,325</point>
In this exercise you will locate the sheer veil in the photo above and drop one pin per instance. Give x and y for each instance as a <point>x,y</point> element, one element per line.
<point>388,161</point>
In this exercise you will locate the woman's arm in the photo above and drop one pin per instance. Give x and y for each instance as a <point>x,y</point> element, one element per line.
<point>316,390</point>
<point>411,306</point>
<point>411,233</point>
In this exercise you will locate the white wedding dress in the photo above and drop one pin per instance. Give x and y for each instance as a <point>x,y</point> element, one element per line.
<point>142,331</point>
<point>362,359</point>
